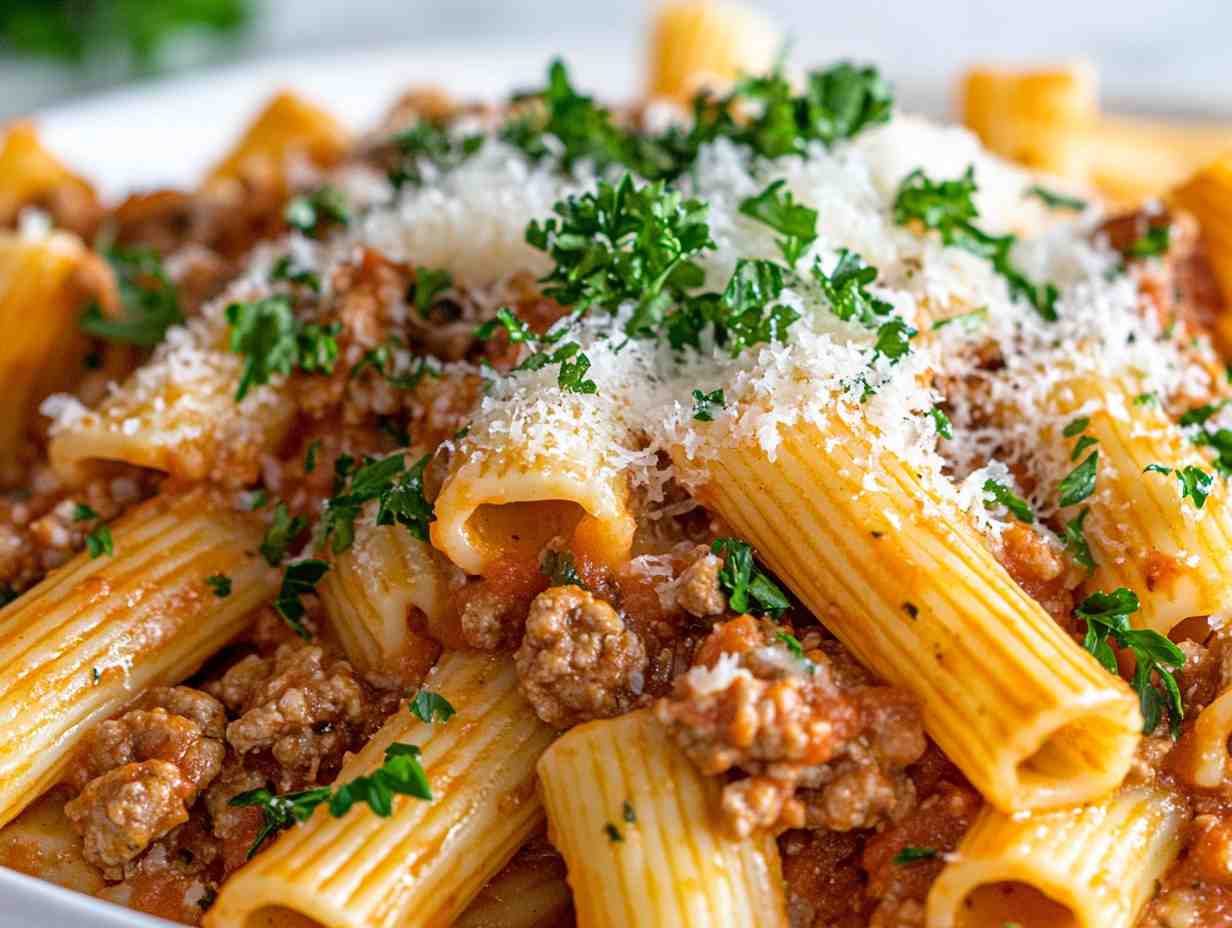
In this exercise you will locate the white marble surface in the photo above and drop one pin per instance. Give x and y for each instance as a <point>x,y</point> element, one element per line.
<point>1153,54</point>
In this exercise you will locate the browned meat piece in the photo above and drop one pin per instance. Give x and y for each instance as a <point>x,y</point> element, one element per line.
<point>578,661</point>
<point>1043,571</point>
<point>138,774</point>
<point>120,812</point>
<point>301,705</point>
<point>181,726</point>
<point>820,750</point>
<point>490,622</point>
<point>697,587</point>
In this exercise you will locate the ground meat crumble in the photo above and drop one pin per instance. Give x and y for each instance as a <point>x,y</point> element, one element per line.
<point>818,752</point>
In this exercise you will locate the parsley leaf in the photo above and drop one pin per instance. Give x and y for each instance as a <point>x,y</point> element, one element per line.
<point>1079,483</point>
<point>1153,244</point>
<point>912,855</point>
<point>83,513</point>
<point>281,532</point>
<point>220,584</point>
<point>796,649</point>
<point>1076,540</point>
<point>560,569</point>
<point>1018,507</point>
<point>623,244</point>
<point>776,208</point>
<point>285,269</point>
<point>845,290</point>
<point>948,206</point>
<point>149,301</point>
<point>613,833</point>
<point>702,403</point>
<point>385,360</point>
<point>1195,483</point>
<point>275,342</point>
<point>744,582</point>
<point>310,456</point>
<point>968,320</point>
<point>309,212</point>
<point>431,707</point>
<point>401,773</point>
<point>397,489</point>
<point>1054,200</point>
<point>297,580</point>
<point>98,542</point>
<point>429,284</point>
<point>1077,427</point>
<point>430,141</point>
<point>1107,619</point>
<point>942,422</point>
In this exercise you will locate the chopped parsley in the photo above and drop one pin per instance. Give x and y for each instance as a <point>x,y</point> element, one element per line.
<point>613,833</point>
<point>968,320</point>
<point>561,569</point>
<point>1195,483</point>
<point>1077,427</point>
<point>310,456</point>
<point>220,584</point>
<point>149,302</point>
<point>1107,619</point>
<point>310,212</point>
<point>1199,414</point>
<point>1076,540</point>
<point>384,359</point>
<point>1081,445</point>
<point>845,289</point>
<point>1146,399</point>
<point>624,243</point>
<point>273,342</point>
<point>948,206</point>
<point>627,813</point>
<point>397,488</point>
<point>1054,200</point>
<point>747,587</point>
<point>1018,507</point>
<point>913,855</point>
<point>99,542</point>
<point>942,422</point>
<point>281,532</point>
<point>257,500</point>
<point>430,142</point>
<point>796,649</point>
<point>285,269</point>
<point>83,513</point>
<point>431,707</point>
<point>796,222</point>
<point>1153,244</point>
<point>1079,483</point>
<point>298,579</point>
<point>428,285</point>
<point>401,773</point>
<point>703,403</point>
<point>95,676</point>
<point>912,610</point>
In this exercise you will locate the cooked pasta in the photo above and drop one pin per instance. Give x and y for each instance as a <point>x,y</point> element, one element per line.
<point>638,829</point>
<point>748,506</point>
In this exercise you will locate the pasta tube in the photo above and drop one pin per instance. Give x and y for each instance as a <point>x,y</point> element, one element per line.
<point>1092,866</point>
<point>31,176</point>
<point>76,648</point>
<point>429,859</point>
<point>42,842</point>
<point>177,414</point>
<point>1208,196</point>
<point>896,573</point>
<point>288,128</point>
<point>374,593</point>
<point>509,501</point>
<point>1143,535</point>
<point>42,349</point>
<point>701,43</point>
<point>639,829</point>
<point>1202,756</point>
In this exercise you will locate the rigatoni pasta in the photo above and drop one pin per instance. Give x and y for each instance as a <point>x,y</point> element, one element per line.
<point>865,563</point>
<point>639,831</point>
<point>77,647</point>
<point>1093,866</point>
<point>422,865</point>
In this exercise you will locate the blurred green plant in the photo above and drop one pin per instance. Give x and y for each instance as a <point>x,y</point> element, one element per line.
<point>80,31</point>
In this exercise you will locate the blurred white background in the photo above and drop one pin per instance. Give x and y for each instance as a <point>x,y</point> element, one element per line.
<point>1153,55</point>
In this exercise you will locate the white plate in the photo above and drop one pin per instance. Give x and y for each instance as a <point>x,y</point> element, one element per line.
<point>168,132</point>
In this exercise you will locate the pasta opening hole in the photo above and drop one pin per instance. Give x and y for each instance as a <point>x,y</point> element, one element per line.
<point>997,904</point>
<point>520,530</point>
<point>276,916</point>
<point>1073,749</point>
